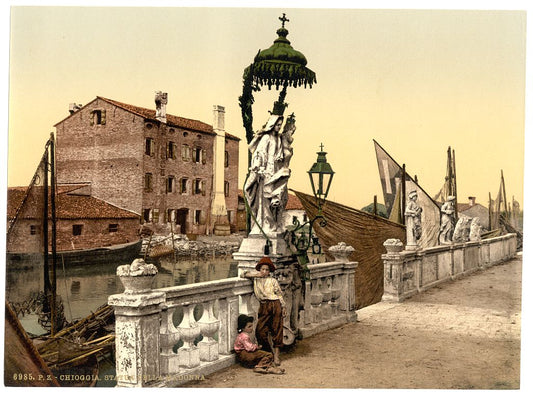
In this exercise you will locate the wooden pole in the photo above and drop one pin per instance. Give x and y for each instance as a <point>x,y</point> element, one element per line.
<point>490,213</point>
<point>375,205</point>
<point>455,187</point>
<point>53,313</point>
<point>403,195</point>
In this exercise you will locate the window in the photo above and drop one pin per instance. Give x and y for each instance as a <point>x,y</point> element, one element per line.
<point>155,215</point>
<point>113,228</point>
<point>226,188</point>
<point>183,185</point>
<point>197,217</point>
<point>171,150</point>
<point>76,230</point>
<point>171,184</point>
<point>226,159</point>
<point>33,230</point>
<point>149,147</point>
<point>98,117</point>
<point>171,215</point>
<point>148,182</point>
<point>199,155</point>
<point>199,186</point>
<point>185,152</point>
<point>147,215</point>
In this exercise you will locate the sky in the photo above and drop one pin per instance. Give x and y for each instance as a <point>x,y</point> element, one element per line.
<point>416,81</point>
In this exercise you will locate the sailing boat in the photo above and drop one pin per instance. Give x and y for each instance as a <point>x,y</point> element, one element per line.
<point>67,348</point>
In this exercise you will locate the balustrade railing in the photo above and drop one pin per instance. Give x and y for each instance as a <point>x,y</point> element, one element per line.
<point>168,336</point>
<point>409,272</point>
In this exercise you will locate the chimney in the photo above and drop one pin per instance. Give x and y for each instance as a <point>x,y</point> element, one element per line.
<point>161,100</point>
<point>472,201</point>
<point>218,118</point>
<point>73,107</point>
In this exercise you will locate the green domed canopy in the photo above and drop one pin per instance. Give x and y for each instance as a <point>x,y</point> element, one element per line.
<point>280,64</point>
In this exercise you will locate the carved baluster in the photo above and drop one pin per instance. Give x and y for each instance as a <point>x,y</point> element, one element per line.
<point>325,288</point>
<point>169,336</point>
<point>189,330</point>
<point>208,327</point>
<point>316,301</point>
<point>245,306</point>
<point>335,295</point>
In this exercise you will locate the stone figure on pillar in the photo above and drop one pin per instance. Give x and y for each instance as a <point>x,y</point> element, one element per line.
<point>461,233</point>
<point>266,185</point>
<point>475,230</point>
<point>447,221</point>
<point>413,221</point>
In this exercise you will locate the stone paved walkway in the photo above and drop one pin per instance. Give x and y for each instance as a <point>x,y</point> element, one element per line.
<point>463,334</point>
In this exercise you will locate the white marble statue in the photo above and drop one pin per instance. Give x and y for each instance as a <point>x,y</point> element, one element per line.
<point>447,221</point>
<point>475,230</point>
<point>266,185</point>
<point>461,233</point>
<point>413,221</point>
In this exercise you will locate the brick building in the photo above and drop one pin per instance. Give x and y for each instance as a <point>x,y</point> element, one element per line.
<point>83,222</point>
<point>156,164</point>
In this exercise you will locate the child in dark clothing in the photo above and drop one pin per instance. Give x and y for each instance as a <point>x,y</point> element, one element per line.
<point>249,354</point>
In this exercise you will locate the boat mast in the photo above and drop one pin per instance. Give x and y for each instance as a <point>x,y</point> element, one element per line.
<point>53,314</point>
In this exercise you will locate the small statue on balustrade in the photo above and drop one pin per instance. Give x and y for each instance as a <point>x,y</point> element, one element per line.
<point>447,221</point>
<point>461,233</point>
<point>249,353</point>
<point>475,230</point>
<point>413,224</point>
<point>272,308</point>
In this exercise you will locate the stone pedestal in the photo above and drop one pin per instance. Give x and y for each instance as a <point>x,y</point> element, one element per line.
<point>137,338</point>
<point>252,249</point>
<point>137,325</point>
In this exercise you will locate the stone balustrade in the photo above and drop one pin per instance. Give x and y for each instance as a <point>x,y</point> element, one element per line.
<point>409,272</point>
<point>166,337</point>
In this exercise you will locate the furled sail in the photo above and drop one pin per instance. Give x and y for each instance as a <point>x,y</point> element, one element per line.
<point>363,231</point>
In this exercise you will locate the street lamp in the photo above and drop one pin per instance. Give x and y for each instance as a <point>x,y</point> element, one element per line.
<point>321,176</point>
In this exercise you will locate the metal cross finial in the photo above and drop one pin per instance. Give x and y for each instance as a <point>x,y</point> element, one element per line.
<point>283,20</point>
<point>321,147</point>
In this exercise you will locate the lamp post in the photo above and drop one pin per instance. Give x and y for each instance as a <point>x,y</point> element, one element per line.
<point>321,176</point>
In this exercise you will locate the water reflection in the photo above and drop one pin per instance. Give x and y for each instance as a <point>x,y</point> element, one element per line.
<point>84,289</point>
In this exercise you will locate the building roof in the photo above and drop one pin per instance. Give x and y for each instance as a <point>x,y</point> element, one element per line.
<point>173,120</point>
<point>69,206</point>
<point>462,207</point>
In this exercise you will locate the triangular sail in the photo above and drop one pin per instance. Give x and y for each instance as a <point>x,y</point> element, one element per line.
<point>391,181</point>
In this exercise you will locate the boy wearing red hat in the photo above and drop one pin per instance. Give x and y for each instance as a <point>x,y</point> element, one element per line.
<point>269,329</point>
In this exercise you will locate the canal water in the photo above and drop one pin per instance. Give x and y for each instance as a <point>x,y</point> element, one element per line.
<point>84,289</point>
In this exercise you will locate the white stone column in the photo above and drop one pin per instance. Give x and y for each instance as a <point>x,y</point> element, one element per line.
<point>392,270</point>
<point>219,212</point>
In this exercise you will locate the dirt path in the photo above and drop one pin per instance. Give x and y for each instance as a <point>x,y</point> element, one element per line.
<point>460,335</point>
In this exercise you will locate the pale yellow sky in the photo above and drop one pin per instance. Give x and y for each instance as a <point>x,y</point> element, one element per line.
<point>416,81</point>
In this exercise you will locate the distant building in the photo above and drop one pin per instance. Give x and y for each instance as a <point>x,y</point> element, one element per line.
<point>152,163</point>
<point>83,221</point>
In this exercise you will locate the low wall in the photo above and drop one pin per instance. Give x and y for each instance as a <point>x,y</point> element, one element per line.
<point>409,272</point>
<point>166,337</point>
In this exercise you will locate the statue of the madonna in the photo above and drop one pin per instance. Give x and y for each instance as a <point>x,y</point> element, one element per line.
<point>266,186</point>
